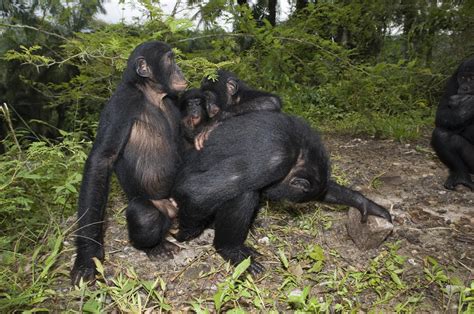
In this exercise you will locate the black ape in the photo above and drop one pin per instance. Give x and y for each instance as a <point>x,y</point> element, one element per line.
<point>138,137</point>
<point>274,154</point>
<point>228,96</point>
<point>193,112</point>
<point>453,136</point>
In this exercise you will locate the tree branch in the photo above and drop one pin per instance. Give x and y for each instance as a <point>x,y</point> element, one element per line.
<point>32,28</point>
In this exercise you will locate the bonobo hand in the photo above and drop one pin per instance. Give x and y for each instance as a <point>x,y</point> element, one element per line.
<point>167,207</point>
<point>455,179</point>
<point>203,136</point>
<point>84,268</point>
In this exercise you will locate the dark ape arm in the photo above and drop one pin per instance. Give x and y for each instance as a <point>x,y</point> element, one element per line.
<point>257,101</point>
<point>455,116</point>
<point>337,194</point>
<point>111,136</point>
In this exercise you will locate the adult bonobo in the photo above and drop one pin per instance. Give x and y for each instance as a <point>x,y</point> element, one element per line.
<point>138,137</point>
<point>259,153</point>
<point>453,136</point>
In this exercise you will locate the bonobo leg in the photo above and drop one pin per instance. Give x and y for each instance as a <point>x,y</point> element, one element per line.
<point>192,222</point>
<point>337,194</point>
<point>457,154</point>
<point>232,223</point>
<point>147,228</point>
<point>90,228</point>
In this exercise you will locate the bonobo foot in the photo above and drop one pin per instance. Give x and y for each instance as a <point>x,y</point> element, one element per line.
<point>455,179</point>
<point>165,249</point>
<point>84,271</point>
<point>374,210</point>
<point>236,255</point>
<point>187,234</point>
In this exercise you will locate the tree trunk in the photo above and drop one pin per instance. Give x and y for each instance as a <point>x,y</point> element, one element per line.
<point>272,11</point>
<point>301,4</point>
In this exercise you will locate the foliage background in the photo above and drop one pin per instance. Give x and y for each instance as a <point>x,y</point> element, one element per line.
<point>359,67</point>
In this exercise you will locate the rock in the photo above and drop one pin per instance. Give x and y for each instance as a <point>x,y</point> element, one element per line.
<point>367,235</point>
<point>391,180</point>
<point>264,241</point>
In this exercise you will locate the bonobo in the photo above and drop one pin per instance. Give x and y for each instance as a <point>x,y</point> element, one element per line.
<point>233,97</point>
<point>453,136</point>
<point>192,104</point>
<point>228,96</point>
<point>274,155</point>
<point>138,137</point>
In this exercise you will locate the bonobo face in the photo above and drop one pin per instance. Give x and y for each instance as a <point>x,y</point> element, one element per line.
<point>154,64</point>
<point>212,107</point>
<point>193,112</point>
<point>223,90</point>
<point>465,77</point>
<point>466,83</point>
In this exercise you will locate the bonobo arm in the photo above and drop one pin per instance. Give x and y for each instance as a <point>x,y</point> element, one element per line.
<point>255,101</point>
<point>337,194</point>
<point>456,113</point>
<point>111,137</point>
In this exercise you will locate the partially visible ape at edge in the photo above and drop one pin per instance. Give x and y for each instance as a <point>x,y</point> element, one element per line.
<point>453,136</point>
<point>138,137</point>
<point>274,155</point>
<point>194,117</point>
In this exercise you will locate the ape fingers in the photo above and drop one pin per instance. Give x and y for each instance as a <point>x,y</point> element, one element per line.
<point>203,136</point>
<point>86,273</point>
<point>167,207</point>
<point>375,210</point>
<point>166,249</point>
<point>255,268</point>
<point>458,179</point>
<point>187,234</point>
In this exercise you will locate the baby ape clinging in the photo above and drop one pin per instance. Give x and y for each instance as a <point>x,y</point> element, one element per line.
<point>274,154</point>
<point>453,137</point>
<point>138,137</point>
<point>192,104</point>
<point>228,96</point>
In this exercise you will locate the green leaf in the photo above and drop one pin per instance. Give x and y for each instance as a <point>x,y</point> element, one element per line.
<point>241,268</point>
<point>396,279</point>
<point>283,258</point>
<point>317,253</point>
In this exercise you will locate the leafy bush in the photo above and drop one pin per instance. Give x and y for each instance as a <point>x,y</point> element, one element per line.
<point>40,184</point>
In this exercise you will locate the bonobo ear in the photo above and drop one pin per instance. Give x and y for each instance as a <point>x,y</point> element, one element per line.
<point>300,183</point>
<point>142,68</point>
<point>232,86</point>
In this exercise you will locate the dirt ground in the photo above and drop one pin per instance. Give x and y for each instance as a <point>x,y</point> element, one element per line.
<point>406,178</point>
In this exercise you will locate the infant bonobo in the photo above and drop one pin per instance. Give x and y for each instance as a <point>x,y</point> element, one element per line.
<point>194,117</point>
<point>229,96</point>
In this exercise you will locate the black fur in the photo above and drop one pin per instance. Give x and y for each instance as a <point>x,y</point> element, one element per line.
<point>453,136</point>
<point>138,137</point>
<point>233,97</point>
<point>194,116</point>
<point>247,156</point>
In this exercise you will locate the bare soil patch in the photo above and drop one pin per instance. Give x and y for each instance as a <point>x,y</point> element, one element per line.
<point>407,178</point>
